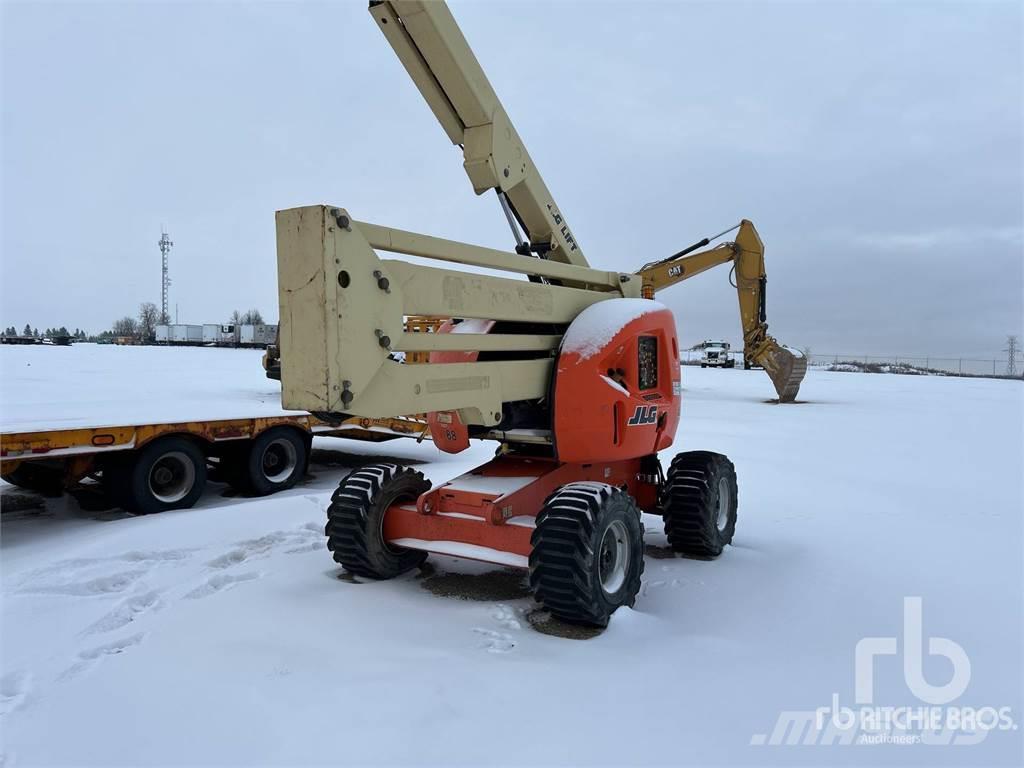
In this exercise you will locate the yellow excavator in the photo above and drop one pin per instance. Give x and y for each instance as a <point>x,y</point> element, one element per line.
<point>786,367</point>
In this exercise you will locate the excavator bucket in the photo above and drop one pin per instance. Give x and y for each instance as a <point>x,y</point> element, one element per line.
<point>786,368</point>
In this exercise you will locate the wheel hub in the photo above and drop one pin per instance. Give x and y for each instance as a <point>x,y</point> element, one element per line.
<point>172,477</point>
<point>724,502</point>
<point>279,460</point>
<point>613,557</point>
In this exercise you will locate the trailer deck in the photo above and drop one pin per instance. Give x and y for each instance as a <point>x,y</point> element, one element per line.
<point>71,415</point>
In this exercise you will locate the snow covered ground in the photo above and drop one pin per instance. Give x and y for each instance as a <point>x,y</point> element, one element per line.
<point>225,634</point>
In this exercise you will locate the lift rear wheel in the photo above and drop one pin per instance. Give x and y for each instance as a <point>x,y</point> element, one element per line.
<point>355,520</point>
<point>168,473</point>
<point>699,503</point>
<point>274,461</point>
<point>588,553</point>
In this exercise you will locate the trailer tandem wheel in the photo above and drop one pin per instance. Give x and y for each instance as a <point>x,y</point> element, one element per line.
<point>273,461</point>
<point>355,520</point>
<point>168,473</point>
<point>699,503</point>
<point>588,552</point>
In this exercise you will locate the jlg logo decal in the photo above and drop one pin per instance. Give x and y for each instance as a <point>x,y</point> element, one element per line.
<point>644,414</point>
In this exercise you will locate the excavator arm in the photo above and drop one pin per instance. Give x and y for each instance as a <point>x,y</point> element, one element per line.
<point>784,366</point>
<point>440,62</point>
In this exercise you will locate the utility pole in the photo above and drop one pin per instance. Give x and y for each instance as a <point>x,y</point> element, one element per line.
<point>1012,350</point>
<point>165,281</point>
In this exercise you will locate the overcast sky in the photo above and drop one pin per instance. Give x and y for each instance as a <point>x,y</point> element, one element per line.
<point>876,146</point>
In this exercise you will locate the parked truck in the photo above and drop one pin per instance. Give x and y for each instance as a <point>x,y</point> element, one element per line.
<point>716,354</point>
<point>256,335</point>
<point>211,333</point>
<point>214,334</point>
<point>186,334</point>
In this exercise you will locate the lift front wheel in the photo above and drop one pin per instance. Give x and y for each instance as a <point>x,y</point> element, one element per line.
<point>699,503</point>
<point>588,553</point>
<point>355,520</point>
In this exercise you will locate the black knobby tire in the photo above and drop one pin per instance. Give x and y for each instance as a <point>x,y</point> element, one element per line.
<point>355,520</point>
<point>274,461</point>
<point>699,503</point>
<point>570,570</point>
<point>168,473</point>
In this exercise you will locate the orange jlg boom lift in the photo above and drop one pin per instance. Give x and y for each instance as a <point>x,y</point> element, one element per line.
<point>574,371</point>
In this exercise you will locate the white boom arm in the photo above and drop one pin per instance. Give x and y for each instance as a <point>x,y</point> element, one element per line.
<point>439,60</point>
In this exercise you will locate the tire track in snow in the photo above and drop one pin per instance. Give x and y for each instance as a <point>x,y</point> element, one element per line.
<point>78,577</point>
<point>126,612</point>
<point>71,577</point>
<point>114,583</point>
<point>15,688</point>
<point>305,538</point>
<point>301,539</point>
<point>219,582</point>
<point>87,659</point>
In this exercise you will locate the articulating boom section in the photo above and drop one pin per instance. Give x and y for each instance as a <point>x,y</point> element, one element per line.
<point>439,60</point>
<point>343,307</point>
<point>784,366</point>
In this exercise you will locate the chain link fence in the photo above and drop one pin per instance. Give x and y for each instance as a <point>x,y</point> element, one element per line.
<point>838,361</point>
<point>956,366</point>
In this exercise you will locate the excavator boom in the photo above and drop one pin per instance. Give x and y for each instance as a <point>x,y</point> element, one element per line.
<point>786,367</point>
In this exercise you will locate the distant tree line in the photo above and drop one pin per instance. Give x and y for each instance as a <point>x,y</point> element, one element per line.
<point>142,327</point>
<point>249,317</point>
<point>49,333</point>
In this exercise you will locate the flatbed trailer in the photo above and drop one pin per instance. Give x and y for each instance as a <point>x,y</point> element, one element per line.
<point>151,467</point>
